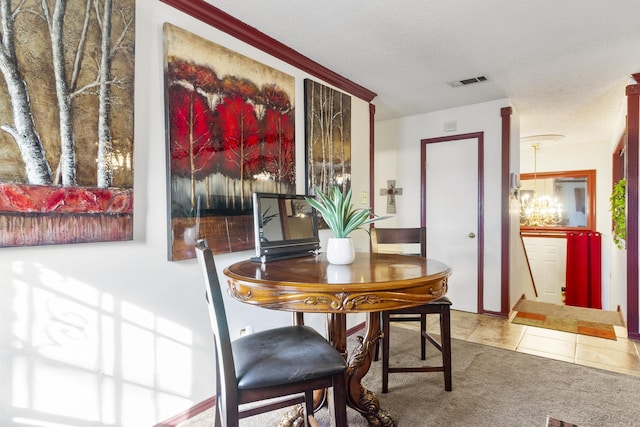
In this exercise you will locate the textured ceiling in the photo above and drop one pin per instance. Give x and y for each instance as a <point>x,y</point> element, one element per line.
<point>564,64</point>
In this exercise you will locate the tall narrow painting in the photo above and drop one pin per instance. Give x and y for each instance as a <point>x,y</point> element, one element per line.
<point>230,133</point>
<point>66,121</point>
<point>328,138</point>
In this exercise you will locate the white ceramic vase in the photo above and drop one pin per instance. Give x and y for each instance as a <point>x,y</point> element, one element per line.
<point>340,250</point>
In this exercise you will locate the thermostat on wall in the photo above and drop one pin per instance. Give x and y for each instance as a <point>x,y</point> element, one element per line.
<point>450,126</point>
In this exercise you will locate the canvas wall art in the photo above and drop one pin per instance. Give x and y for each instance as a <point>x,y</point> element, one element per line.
<point>66,121</point>
<point>328,137</point>
<point>230,133</point>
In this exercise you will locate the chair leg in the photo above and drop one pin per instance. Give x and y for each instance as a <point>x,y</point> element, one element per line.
<point>376,351</point>
<point>423,340</point>
<point>445,335</point>
<point>443,345</point>
<point>221,412</point>
<point>385,351</point>
<point>338,401</point>
<point>308,405</point>
<point>312,421</point>
<point>218,421</point>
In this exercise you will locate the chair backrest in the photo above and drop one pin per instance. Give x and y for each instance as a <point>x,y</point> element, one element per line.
<point>396,236</point>
<point>226,381</point>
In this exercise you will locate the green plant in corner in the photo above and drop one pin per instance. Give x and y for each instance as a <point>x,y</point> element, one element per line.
<point>619,212</point>
<point>338,212</point>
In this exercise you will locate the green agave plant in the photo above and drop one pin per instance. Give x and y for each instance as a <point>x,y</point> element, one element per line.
<point>338,212</point>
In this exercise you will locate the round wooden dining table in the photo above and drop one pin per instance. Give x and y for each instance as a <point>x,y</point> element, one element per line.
<point>372,283</point>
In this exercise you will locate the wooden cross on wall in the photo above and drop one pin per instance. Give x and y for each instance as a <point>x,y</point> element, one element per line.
<point>391,192</point>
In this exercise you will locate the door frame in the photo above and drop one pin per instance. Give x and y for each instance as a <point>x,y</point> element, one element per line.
<point>479,137</point>
<point>633,203</point>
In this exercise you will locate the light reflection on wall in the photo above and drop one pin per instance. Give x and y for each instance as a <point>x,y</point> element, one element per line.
<point>77,356</point>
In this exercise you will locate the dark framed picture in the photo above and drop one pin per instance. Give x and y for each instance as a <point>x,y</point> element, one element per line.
<point>328,137</point>
<point>66,114</point>
<point>230,133</point>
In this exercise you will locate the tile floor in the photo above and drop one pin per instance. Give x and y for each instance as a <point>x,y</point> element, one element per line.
<point>622,355</point>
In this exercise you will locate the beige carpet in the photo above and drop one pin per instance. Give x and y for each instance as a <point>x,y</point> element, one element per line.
<point>577,320</point>
<point>491,387</point>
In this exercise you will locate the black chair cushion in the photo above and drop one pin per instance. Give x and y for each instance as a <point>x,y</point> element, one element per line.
<point>276,356</point>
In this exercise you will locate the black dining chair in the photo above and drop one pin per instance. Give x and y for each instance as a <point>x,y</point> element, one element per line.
<point>289,363</point>
<point>416,236</point>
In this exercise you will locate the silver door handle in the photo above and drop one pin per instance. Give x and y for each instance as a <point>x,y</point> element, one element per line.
<point>472,235</point>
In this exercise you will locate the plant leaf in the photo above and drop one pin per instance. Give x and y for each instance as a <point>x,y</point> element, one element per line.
<point>338,213</point>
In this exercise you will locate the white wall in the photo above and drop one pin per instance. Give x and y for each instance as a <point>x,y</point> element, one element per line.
<point>520,280</point>
<point>592,155</point>
<point>113,333</point>
<point>397,157</point>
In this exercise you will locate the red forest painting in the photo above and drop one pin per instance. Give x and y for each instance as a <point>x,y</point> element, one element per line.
<point>230,133</point>
<point>66,121</point>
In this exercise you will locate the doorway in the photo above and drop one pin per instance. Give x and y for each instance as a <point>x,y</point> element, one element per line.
<point>546,258</point>
<point>452,212</point>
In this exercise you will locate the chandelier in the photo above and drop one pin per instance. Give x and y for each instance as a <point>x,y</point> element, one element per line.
<point>535,210</point>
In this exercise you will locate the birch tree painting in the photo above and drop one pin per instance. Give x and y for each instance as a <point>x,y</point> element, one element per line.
<point>230,134</point>
<point>66,121</point>
<point>328,130</point>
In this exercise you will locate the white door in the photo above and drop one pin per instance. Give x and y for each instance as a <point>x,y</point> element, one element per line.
<point>452,215</point>
<point>547,259</point>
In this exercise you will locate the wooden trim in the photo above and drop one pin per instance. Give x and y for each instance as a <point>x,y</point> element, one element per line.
<point>542,233</point>
<point>189,413</point>
<point>423,185</point>
<point>618,161</point>
<point>481,222</point>
<point>633,136</point>
<point>372,146</point>
<point>215,17</point>
<point>505,217</point>
<point>423,198</point>
<point>495,313</point>
<point>590,174</point>
<point>357,328</point>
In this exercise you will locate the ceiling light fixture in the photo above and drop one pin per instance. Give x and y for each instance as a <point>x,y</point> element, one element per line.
<point>535,210</point>
<point>544,139</point>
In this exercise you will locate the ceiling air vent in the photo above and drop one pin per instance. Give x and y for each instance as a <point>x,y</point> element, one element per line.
<point>466,82</point>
